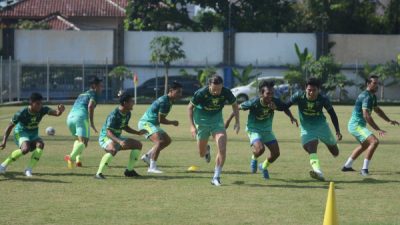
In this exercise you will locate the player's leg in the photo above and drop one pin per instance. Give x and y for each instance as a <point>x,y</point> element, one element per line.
<point>135,147</point>
<point>258,149</point>
<point>221,140</point>
<point>203,134</point>
<point>22,140</point>
<point>161,140</point>
<point>79,127</point>
<point>373,143</point>
<point>111,148</point>
<point>37,147</point>
<point>273,147</point>
<point>311,149</point>
<point>151,129</point>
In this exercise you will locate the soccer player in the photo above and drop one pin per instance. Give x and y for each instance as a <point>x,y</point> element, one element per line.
<point>111,141</point>
<point>313,125</point>
<point>155,115</point>
<point>205,116</point>
<point>26,135</point>
<point>259,125</point>
<point>81,114</point>
<point>361,115</point>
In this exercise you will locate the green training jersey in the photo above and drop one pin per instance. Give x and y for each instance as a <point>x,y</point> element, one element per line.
<point>115,122</point>
<point>365,100</point>
<point>310,112</point>
<point>261,115</point>
<point>161,106</point>
<point>80,107</point>
<point>28,121</point>
<point>208,108</point>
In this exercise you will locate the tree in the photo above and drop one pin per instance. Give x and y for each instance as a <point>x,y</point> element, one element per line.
<point>244,77</point>
<point>120,73</point>
<point>388,71</point>
<point>166,49</point>
<point>299,73</point>
<point>32,25</point>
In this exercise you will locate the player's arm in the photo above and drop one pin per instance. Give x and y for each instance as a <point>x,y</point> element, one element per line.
<point>7,132</point>
<point>235,111</point>
<point>58,112</point>
<point>335,122</point>
<point>228,121</point>
<point>382,114</point>
<point>91,107</point>
<point>162,118</point>
<point>114,138</point>
<point>193,129</point>
<point>367,116</point>
<point>290,115</point>
<point>133,131</point>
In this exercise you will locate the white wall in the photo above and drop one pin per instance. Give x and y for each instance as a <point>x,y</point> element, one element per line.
<point>351,50</point>
<point>271,49</point>
<point>63,47</point>
<point>201,48</point>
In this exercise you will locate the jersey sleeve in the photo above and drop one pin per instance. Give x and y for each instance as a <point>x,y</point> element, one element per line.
<point>196,97</point>
<point>110,123</point>
<point>230,98</point>
<point>164,108</point>
<point>367,103</point>
<point>93,98</point>
<point>295,97</point>
<point>16,118</point>
<point>280,106</point>
<point>45,110</point>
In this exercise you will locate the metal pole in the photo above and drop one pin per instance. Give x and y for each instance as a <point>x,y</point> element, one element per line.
<point>48,80</point>
<point>18,81</point>
<point>83,75</point>
<point>106,80</point>
<point>156,80</point>
<point>9,80</point>
<point>1,79</point>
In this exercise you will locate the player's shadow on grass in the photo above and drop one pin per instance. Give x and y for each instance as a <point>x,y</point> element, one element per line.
<point>15,176</point>
<point>265,184</point>
<point>367,180</point>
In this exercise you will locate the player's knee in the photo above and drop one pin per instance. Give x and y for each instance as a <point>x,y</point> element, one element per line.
<point>40,145</point>
<point>25,149</point>
<point>375,142</point>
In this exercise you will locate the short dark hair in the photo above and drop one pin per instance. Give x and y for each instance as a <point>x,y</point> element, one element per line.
<point>36,97</point>
<point>175,85</point>
<point>124,97</point>
<point>265,83</point>
<point>215,79</point>
<point>313,82</point>
<point>95,80</point>
<point>369,79</point>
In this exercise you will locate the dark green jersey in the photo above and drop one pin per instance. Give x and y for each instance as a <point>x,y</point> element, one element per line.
<point>160,106</point>
<point>115,122</point>
<point>28,121</point>
<point>261,115</point>
<point>310,112</point>
<point>365,100</point>
<point>80,107</point>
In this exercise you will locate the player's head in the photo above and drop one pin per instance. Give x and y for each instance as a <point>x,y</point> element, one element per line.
<point>372,83</point>
<point>35,101</point>
<point>312,88</point>
<point>126,101</point>
<point>175,90</point>
<point>96,84</point>
<point>215,84</point>
<point>266,89</point>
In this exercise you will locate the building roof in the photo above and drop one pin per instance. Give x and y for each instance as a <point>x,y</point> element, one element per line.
<point>58,22</point>
<point>31,9</point>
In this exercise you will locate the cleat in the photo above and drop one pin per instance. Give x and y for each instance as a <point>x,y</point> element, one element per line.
<point>28,172</point>
<point>99,176</point>
<point>146,159</point>
<point>317,175</point>
<point>264,171</point>
<point>131,173</point>
<point>154,170</point>
<point>78,164</point>
<point>67,159</point>
<point>216,182</point>
<point>207,157</point>
<point>364,172</point>
<point>2,169</point>
<point>348,169</point>
<point>253,166</point>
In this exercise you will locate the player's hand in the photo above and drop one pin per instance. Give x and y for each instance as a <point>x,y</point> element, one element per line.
<point>123,144</point>
<point>94,128</point>
<point>394,122</point>
<point>381,133</point>
<point>193,131</point>
<point>236,127</point>
<point>61,108</point>
<point>294,121</point>
<point>339,136</point>
<point>175,123</point>
<point>2,145</point>
<point>142,132</point>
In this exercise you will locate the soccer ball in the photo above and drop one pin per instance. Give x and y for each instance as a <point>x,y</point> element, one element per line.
<point>50,131</point>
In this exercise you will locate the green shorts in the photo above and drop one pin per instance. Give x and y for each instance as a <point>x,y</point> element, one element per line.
<point>265,137</point>
<point>22,136</point>
<point>150,128</point>
<point>105,141</point>
<point>78,125</point>
<point>318,131</point>
<point>206,130</point>
<point>359,131</point>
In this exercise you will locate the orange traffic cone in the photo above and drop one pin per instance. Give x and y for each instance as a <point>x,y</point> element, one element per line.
<point>331,217</point>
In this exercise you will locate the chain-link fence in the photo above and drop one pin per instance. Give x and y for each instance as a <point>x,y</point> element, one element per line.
<point>54,82</point>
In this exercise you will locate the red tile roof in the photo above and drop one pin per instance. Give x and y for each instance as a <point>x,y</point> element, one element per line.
<point>68,8</point>
<point>57,22</point>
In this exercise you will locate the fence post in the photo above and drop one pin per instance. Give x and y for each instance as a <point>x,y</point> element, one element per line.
<point>1,79</point>
<point>106,80</point>
<point>18,81</point>
<point>48,80</point>
<point>83,75</point>
<point>9,80</point>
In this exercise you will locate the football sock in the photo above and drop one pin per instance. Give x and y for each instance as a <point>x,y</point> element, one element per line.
<point>104,161</point>
<point>153,164</point>
<point>133,157</point>
<point>35,158</point>
<point>217,171</point>
<point>366,164</point>
<point>265,164</point>
<point>349,163</point>
<point>314,162</point>
<point>149,153</point>
<point>77,150</point>
<point>13,157</point>
<point>253,157</point>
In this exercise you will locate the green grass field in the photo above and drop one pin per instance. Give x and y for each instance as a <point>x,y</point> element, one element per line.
<point>56,195</point>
